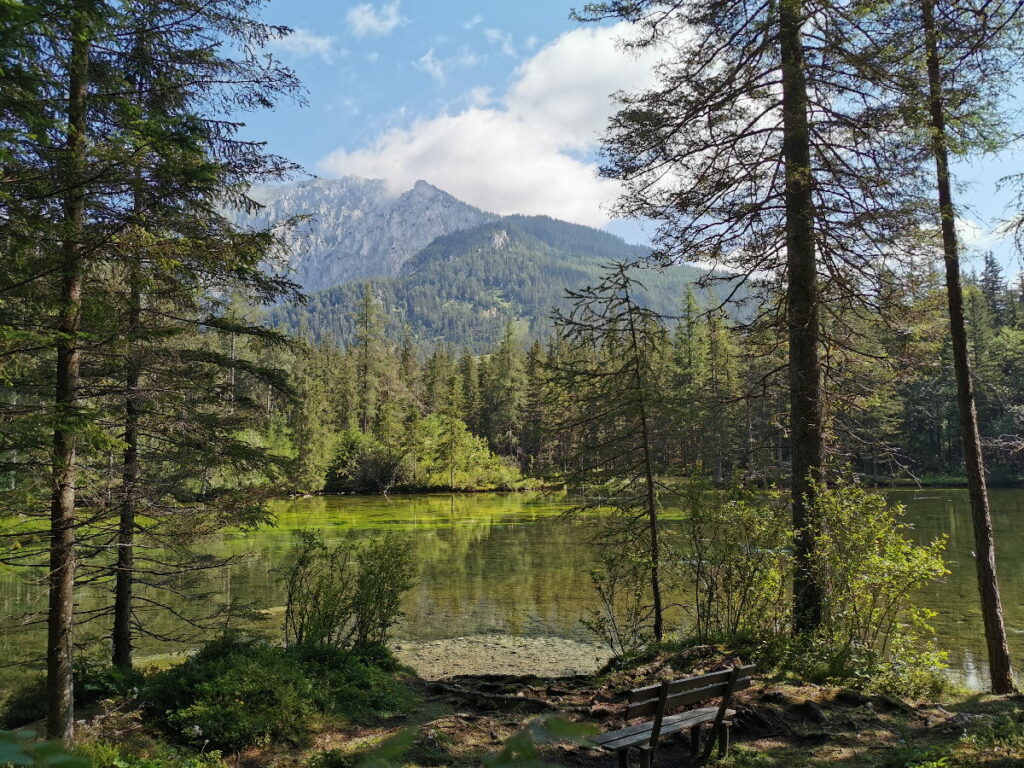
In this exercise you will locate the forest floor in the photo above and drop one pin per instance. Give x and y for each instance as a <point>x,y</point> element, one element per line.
<point>464,718</point>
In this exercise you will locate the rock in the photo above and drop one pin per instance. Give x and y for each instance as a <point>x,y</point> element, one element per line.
<point>884,703</point>
<point>851,698</point>
<point>968,718</point>
<point>813,712</point>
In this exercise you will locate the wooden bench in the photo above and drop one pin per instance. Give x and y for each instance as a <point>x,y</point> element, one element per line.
<point>657,700</point>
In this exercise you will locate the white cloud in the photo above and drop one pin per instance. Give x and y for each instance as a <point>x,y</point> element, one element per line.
<point>304,44</point>
<point>366,19</point>
<point>433,66</point>
<point>978,237</point>
<point>500,40</point>
<point>566,85</point>
<point>477,18</point>
<point>438,68</point>
<point>481,96</point>
<point>526,151</point>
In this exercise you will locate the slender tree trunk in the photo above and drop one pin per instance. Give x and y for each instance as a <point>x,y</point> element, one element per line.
<point>999,666</point>
<point>61,607</point>
<point>806,438</point>
<point>124,570</point>
<point>650,501</point>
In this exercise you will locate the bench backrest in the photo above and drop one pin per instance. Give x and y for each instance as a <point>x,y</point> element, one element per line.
<point>656,700</point>
<point>691,690</point>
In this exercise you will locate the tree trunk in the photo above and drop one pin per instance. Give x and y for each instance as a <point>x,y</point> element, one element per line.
<point>121,635</point>
<point>61,605</point>
<point>999,666</point>
<point>806,438</point>
<point>651,500</point>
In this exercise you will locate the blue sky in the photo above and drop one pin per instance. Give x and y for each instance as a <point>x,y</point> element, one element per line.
<point>499,103</point>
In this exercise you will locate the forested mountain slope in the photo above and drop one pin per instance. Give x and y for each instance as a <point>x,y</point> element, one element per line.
<point>465,287</point>
<point>356,228</point>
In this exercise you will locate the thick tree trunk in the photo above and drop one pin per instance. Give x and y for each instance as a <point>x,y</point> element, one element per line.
<point>806,436</point>
<point>999,666</point>
<point>61,608</point>
<point>121,635</point>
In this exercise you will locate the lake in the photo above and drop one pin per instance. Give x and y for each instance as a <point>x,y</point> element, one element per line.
<point>513,564</point>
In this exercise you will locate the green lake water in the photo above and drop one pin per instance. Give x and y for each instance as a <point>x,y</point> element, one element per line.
<point>513,564</point>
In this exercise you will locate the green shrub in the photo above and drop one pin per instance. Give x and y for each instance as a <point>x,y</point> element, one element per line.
<point>347,595</point>
<point>357,684</point>
<point>238,692</point>
<point>25,703</point>
<point>868,570</point>
<point>105,754</point>
<point>736,560</point>
<point>97,679</point>
<point>94,681</point>
<point>233,693</point>
<point>735,554</point>
<point>623,617</point>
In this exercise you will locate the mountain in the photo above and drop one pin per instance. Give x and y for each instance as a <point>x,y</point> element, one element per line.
<point>463,288</point>
<point>356,228</point>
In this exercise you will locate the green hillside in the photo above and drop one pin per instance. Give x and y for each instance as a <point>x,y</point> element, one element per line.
<point>465,287</point>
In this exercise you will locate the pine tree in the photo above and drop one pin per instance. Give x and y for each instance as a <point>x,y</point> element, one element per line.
<point>141,183</point>
<point>608,375</point>
<point>369,345</point>
<point>951,63</point>
<point>759,150</point>
<point>503,393</point>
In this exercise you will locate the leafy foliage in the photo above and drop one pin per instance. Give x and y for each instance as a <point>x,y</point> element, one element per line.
<point>347,595</point>
<point>19,748</point>
<point>237,692</point>
<point>736,548</point>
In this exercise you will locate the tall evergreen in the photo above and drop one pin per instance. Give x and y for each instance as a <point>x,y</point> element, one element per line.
<point>1000,669</point>
<point>608,374</point>
<point>368,345</point>
<point>756,150</point>
<point>141,182</point>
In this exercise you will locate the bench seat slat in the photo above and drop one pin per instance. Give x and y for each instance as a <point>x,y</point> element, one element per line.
<point>650,706</point>
<point>638,734</point>
<point>689,683</point>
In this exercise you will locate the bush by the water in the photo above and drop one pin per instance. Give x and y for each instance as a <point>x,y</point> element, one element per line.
<point>735,557</point>
<point>238,692</point>
<point>344,596</point>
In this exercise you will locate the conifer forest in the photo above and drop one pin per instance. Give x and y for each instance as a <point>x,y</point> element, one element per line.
<point>425,384</point>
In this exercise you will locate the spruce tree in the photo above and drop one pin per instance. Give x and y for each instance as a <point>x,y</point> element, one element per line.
<point>757,150</point>
<point>608,376</point>
<point>143,161</point>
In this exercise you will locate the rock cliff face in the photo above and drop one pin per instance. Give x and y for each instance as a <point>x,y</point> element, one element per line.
<point>356,227</point>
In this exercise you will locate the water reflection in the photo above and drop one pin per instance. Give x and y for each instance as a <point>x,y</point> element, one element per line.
<point>504,563</point>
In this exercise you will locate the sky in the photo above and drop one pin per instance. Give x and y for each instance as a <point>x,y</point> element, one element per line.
<point>499,103</point>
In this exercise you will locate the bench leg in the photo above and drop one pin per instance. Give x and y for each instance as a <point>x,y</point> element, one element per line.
<point>695,742</point>
<point>647,758</point>
<point>723,740</point>
<point>623,755</point>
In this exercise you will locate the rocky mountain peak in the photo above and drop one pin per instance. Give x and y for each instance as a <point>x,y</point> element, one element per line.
<point>357,228</point>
